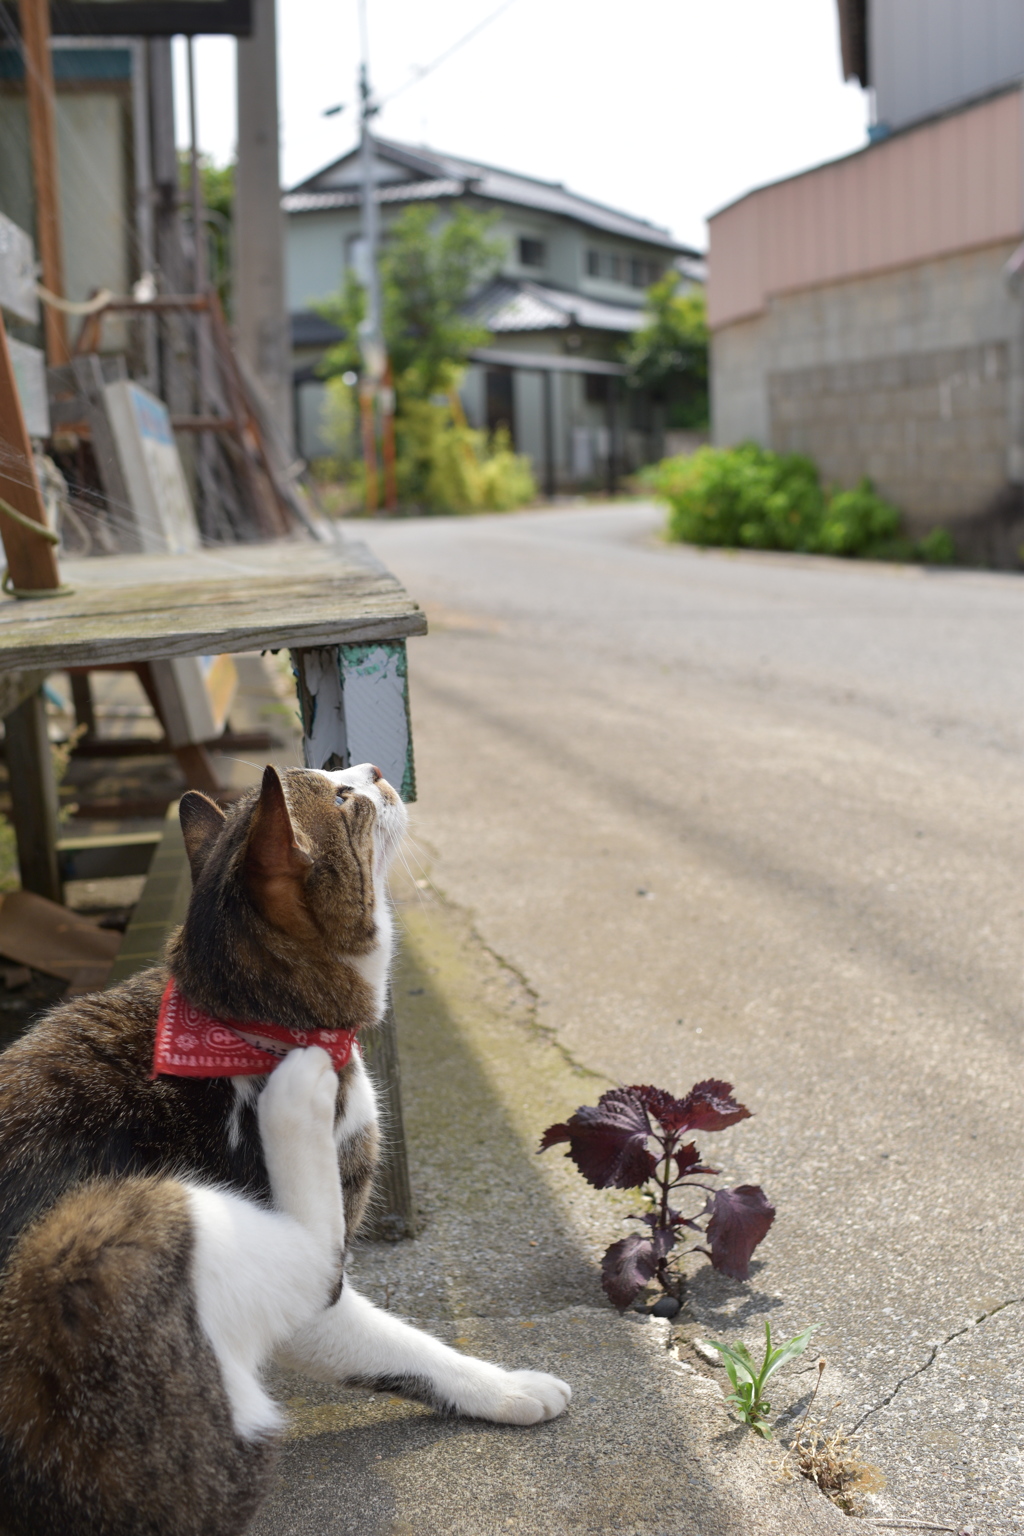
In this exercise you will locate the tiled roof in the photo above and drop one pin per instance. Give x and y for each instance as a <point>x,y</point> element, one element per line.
<point>505,305</point>
<point>312,330</point>
<point>389,192</point>
<point>426,168</point>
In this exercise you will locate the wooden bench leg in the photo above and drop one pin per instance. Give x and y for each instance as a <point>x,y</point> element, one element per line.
<point>34,803</point>
<point>354,703</point>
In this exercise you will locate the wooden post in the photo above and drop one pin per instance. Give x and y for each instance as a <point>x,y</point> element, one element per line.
<point>35,31</point>
<point>33,796</point>
<point>354,704</point>
<point>387,445</point>
<point>260,310</point>
<point>31,560</point>
<point>549,435</point>
<point>32,565</point>
<point>366,420</point>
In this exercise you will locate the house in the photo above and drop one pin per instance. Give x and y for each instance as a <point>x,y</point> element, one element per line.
<point>569,290</point>
<point>863,312</point>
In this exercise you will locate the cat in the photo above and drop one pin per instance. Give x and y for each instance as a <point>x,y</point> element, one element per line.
<point>164,1237</point>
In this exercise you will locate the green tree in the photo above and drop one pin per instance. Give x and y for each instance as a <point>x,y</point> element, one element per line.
<point>428,271</point>
<point>668,356</point>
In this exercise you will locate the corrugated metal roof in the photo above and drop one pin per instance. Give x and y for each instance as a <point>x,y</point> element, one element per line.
<point>506,305</point>
<point>485,181</point>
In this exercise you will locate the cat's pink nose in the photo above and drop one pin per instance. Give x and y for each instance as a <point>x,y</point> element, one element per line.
<point>377,775</point>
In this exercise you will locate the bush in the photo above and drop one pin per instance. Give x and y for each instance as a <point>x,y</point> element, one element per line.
<point>856,521</point>
<point>741,496</point>
<point>749,497</point>
<point>442,463</point>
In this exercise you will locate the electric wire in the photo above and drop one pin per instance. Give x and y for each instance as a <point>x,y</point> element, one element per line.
<point>442,58</point>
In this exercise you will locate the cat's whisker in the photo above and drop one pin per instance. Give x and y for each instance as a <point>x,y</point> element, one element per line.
<point>243,760</point>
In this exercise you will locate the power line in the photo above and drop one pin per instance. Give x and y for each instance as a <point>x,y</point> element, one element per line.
<point>428,69</point>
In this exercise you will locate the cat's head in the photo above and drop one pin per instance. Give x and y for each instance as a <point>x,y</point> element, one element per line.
<point>288,905</point>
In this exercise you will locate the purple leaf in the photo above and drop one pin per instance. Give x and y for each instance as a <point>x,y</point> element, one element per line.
<point>608,1143</point>
<point>688,1161</point>
<point>709,1106</point>
<point>663,1106</point>
<point>740,1218</point>
<point>630,1263</point>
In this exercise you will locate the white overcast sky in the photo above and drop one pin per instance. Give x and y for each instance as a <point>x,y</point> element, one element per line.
<point>665,108</point>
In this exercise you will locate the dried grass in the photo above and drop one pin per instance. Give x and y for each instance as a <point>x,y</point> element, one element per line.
<point>830,1459</point>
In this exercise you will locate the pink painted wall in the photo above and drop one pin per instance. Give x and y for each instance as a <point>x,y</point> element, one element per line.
<point>947,186</point>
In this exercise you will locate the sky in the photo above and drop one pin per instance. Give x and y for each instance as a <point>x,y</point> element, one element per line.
<point>667,109</point>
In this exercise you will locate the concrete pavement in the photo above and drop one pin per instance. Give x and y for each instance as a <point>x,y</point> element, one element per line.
<point>760,817</point>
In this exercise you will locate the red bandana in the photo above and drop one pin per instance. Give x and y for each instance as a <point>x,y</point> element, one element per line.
<point>191,1043</point>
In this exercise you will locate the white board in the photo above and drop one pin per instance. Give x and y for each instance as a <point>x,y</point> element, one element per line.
<point>29,365</point>
<point>195,694</point>
<point>17,272</point>
<point>151,465</point>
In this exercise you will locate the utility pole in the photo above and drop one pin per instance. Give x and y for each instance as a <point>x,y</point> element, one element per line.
<point>375,386</point>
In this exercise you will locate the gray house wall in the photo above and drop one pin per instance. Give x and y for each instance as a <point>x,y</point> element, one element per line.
<point>319,250</point>
<point>925,56</point>
<point>322,245</point>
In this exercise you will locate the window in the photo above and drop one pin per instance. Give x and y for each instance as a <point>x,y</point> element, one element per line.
<point>531,252</point>
<point>500,400</point>
<point>595,388</point>
<point>593,263</point>
<point>643,273</point>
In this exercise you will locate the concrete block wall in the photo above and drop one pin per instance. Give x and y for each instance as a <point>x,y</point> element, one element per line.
<point>913,377</point>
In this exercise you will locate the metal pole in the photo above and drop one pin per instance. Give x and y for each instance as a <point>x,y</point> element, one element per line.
<point>198,229</point>
<point>371,333</point>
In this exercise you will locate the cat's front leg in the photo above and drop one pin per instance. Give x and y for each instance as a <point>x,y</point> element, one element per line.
<point>296,1113</point>
<point>354,1341</point>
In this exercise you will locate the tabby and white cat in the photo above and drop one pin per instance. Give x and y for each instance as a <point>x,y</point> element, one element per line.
<point>162,1238</point>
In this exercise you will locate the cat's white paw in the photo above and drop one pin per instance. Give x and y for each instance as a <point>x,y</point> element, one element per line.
<point>300,1097</point>
<point>525,1397</point>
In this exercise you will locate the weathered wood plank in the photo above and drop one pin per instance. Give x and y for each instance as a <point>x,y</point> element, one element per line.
<point>121,610</point>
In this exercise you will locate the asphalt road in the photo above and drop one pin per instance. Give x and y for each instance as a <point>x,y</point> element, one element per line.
<point>760,817</point>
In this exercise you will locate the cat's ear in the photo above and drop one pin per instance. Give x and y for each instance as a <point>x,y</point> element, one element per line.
<point>273,852</point>
<point>201,823</point>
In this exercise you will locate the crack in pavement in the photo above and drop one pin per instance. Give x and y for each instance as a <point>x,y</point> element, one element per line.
<point>958,1334</point>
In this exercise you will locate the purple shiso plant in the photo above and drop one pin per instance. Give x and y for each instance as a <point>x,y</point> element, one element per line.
<point>611,1144</point>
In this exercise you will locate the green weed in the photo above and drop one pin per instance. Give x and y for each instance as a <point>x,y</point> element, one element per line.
<point>749,1381</point>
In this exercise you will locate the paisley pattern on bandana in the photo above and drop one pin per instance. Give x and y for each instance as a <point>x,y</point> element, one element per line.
<point>191,1043</point>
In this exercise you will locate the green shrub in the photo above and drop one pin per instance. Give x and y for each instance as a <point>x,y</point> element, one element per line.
<point>445,465</point>
<point>856,521</point>
<point>741,496</point>
<point>936,548</point>
<point>749,497</point>
<point>442,463</point>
